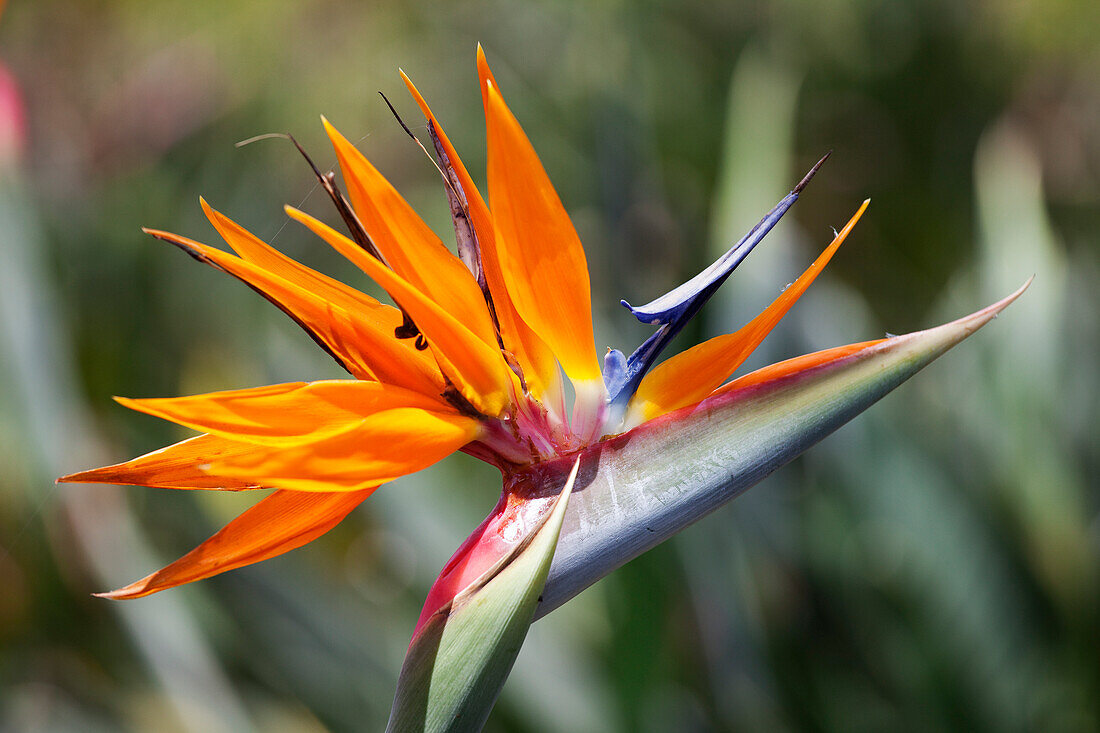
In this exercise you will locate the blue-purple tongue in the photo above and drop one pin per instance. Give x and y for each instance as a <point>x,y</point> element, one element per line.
<point>674,309</point>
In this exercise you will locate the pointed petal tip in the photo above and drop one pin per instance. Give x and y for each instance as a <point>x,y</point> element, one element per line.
<point>417,96</point>
<point>134,590</point>
<point>978,319</point>
<point>483,70</point>
<point>811,173</point>
<point>409,85</point>
<point>298,215</point>
<point>166,236</point>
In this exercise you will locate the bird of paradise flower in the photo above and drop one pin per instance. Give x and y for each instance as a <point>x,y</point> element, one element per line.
<point>471,358</point>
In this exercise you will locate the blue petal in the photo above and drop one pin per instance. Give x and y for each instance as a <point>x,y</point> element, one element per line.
<point>674,304</point>
<point>674,309</point>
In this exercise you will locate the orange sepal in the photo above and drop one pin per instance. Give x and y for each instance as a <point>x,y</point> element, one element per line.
<point>173,467</point>
<point>285,415</point>
<point>381,448</point>
<point>693,374</point>
<point>476,368</point>
<point>408,245</point>
<point>255,250</point>
<point>539,367</point>
<point>361,340</point>
<point>796,365</point>
<point>280,522</point>
<point>541,256</point>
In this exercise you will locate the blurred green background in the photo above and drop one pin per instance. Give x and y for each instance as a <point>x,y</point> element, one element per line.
<point>934,565</point>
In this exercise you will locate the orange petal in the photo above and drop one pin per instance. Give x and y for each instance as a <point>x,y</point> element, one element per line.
<point>280,522</point>
<point>693,374</point>
<point>361,340</point>
<point>794,366</point>
<point>476,368</point>
<point>173,467</point>
<point>381,448</point>
<point>540,370</point>
<point>255,250</point>
<point>284,415</point>
<point>408,245</point>
<point>540,254</point>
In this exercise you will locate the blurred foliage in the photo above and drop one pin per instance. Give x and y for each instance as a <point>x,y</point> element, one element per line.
<point>932,566</point>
